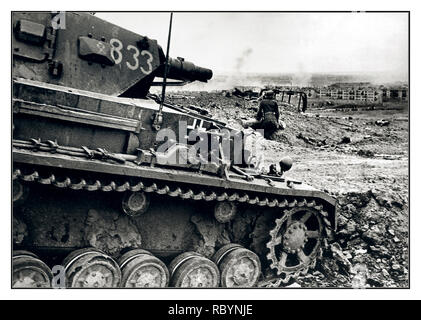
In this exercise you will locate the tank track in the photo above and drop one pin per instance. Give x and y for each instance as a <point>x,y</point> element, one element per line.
<point>82,184</point>
<point>189,194</point>
<point>276,282</point>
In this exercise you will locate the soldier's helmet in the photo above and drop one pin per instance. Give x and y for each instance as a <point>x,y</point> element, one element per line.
<point>269,94</point>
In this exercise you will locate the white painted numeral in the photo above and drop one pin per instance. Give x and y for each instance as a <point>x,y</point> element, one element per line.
<point>117,55</point>
<point>149,61</point>
<point>135,57</point>
<point>116,49</point>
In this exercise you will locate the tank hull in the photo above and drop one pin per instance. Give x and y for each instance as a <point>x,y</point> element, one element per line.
<point>181,217</point>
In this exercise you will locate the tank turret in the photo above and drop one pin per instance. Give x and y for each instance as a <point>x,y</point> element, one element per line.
<point>82,51</point>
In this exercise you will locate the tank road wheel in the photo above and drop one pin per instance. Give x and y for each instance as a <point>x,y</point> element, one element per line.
<point>29,271</point>
<point>191,270</point>
<point>140,269</point>
<point>239,267</point>
<point>225,211</point>
<point>295,242</point>
<point>135,203</point>
<point>91,268</point>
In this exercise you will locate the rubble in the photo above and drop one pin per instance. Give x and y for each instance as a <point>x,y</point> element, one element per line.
<point>365,153</point>
<point>244,93</point>
<point>368,174</point>
<point>382,122</point>
<point>293,285</point>
<point>311,141</point>
<point>345,140</point>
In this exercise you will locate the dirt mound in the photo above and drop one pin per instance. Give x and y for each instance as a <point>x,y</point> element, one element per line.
<point>348,132</point>
<point>361,163</point>
<point>370,248</point>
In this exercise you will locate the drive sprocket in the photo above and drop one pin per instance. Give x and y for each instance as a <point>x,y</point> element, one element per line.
<point>296,241</point>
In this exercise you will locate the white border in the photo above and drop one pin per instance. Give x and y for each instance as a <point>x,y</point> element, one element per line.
<point>168,294</point>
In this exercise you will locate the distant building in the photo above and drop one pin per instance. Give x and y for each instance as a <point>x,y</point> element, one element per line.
<point>348,93</point>
<point>343,93</point>
<point>395,93</point>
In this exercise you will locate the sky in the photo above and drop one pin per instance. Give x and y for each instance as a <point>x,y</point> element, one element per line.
<point>280,42</point>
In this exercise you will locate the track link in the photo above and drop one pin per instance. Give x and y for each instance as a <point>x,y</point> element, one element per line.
<point>183,193</point>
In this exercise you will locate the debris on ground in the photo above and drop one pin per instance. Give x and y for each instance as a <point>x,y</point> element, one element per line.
<point>367,173</point>
<point>311,141</point>
<point>382,122</point>
<point>365,153</point>
<point>345,140</point>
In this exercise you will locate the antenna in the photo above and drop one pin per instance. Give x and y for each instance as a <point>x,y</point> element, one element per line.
<point>158,116</point>
<point>167,56</point>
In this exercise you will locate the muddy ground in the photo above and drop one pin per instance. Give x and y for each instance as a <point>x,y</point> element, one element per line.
<point>362,163</point>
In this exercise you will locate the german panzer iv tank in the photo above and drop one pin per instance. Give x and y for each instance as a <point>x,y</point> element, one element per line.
<point>109,188</point>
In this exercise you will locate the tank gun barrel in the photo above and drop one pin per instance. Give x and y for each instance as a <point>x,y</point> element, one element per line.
<point>180,69</point>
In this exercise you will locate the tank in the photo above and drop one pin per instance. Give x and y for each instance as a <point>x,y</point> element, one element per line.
<point>113,187</point>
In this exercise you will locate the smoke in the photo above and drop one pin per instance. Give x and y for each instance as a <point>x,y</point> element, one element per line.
<point>242,59</point>
<point>301,79</point>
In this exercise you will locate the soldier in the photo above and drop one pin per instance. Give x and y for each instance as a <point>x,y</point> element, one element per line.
<point>268,114</point>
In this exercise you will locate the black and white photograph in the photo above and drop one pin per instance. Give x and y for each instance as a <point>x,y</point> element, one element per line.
<point>220,149</point>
